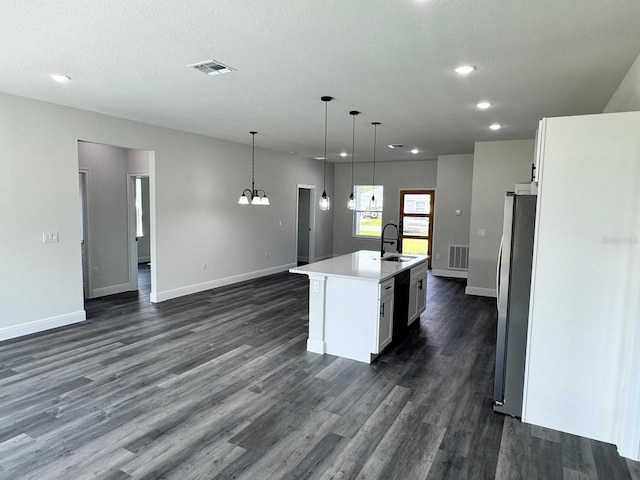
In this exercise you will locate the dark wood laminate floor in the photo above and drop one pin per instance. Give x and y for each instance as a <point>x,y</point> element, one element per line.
<point>218,385</point>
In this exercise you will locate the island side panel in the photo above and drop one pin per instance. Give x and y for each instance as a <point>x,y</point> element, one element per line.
<point>317,300</point>
<point>351,318</point>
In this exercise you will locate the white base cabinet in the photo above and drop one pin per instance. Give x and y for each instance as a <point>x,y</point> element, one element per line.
<point>417,292</point>
<point>352,300</point>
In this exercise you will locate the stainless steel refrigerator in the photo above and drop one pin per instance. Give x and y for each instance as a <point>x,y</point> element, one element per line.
<point>513,282</point>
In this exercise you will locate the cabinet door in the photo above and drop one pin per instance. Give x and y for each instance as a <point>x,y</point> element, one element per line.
<point>385,324</point>
<point>413,301</point>
<point>422,294</point>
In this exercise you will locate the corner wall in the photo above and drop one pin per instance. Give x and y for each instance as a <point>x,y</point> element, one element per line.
<point>626,98</point>
<point>455,177</point>
<point>197,181</point>
<point>497,167</point>
<point>394,176</point>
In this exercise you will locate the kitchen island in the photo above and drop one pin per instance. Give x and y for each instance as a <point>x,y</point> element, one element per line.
<point>352,299</point>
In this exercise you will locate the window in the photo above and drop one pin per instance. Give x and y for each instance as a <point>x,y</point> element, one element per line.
<point>138,203</point>
<point>367,217</point>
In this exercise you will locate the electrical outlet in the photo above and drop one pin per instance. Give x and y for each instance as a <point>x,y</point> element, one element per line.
<point>204,267</point>
<point>49,237</point>
<point>96,270</point>
<point>316,286</point>
<point>437,256</point>
<point>482,232</point>
<point>266,255</point>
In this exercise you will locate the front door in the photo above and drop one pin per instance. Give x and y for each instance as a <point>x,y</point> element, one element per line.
<point>416,221</point>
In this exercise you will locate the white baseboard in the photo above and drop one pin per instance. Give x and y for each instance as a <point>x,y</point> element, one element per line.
<point>316,346</point>
<point>110,290</point>
<point>157,297</point>
<point>324,257</point>
<point>36,326</point>
<point>449,273</point>
<point>481,292</point>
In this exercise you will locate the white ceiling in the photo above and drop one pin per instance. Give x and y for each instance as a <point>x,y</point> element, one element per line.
<point>390,59</point>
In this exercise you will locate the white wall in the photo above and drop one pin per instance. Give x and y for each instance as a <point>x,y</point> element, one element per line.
<point>196,181</point>
<point>497,167</point>
<point>108,243</point>
<point>394,176</point>
<point>455,176</point>
<point>626,98</point>
<point>585,280</point>
<point>304,199</point>
<point>144,242</point>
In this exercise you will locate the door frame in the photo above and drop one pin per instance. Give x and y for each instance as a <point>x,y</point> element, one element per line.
<point>85,249</point>
<point>430,215</point>
<point>131,231</point>
<point>312,220</point>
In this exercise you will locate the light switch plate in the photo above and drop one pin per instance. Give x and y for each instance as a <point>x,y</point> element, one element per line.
<point>49,237</point>
<point>482,232</point>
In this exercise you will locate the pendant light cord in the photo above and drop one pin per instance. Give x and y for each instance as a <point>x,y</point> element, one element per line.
<point>253,163</point>
<point>375,136</point>
<point>324,173</point>
<point>353,146</point>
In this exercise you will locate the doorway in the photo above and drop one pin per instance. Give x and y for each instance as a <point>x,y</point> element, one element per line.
<point>139,230</point>
<point>108,179</point>
<point>416,222</point>
<point>305,220</point>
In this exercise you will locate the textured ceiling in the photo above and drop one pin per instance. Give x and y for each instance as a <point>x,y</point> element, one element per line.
<point>392,60</point>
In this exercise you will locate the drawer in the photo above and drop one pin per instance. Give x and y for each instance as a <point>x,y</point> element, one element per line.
<point>419,271</point>
<point>386,288</point>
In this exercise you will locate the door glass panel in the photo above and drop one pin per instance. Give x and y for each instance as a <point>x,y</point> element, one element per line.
<point>417,203</point>
<point>417,246</point>
<point>415,226</point>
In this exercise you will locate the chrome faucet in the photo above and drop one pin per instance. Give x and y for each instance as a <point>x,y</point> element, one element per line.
<point>390,242</point>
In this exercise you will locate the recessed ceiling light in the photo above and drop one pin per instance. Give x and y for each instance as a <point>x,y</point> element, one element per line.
<point>343,154</point>
<point>395,145</point>
<point>59,77</point>
<point>484,105</point>
<point>415,150</point>
<point>495,126</point>
<point>464,69</point>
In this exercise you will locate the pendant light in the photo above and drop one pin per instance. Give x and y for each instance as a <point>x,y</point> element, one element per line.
<point>373,179</point>
<point>253,196</point>
<point>324,199</point>
<point>351,204</point>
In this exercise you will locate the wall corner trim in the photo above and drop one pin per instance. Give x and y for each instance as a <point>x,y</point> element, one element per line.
<point>36,326</point>
<point>481,292</point>
<point>449,273</point>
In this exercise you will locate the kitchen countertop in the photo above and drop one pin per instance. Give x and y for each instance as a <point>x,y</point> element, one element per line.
<point>364,264</point>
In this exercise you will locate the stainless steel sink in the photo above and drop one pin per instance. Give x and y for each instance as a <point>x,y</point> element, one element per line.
<point>398,258</point>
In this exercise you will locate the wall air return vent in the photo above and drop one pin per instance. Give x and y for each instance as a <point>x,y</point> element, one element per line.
<point>458,257</point>
<point>212,67</point>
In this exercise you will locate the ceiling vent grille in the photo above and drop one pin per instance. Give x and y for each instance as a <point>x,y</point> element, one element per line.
<point>212,67</point>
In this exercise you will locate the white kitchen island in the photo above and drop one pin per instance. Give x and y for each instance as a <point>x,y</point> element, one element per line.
<point>351,301</point>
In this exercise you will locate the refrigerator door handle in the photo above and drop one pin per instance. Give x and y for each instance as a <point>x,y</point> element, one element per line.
<point>498,267</point>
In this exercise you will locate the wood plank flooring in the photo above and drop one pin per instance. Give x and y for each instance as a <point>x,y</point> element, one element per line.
<point>218,385</point>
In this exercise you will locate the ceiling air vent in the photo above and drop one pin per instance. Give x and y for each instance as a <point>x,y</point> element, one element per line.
<point>212,67</point>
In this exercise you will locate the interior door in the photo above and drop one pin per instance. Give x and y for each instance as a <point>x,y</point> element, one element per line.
<point>416,221</point>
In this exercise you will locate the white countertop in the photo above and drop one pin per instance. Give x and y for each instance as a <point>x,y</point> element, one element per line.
<point>364,264</point>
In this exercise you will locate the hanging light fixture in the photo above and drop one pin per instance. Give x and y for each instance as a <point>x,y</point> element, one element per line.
<point>253,196</point>
<point>351,204</point>
<point>324,199</point>
<point>373,179</point>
